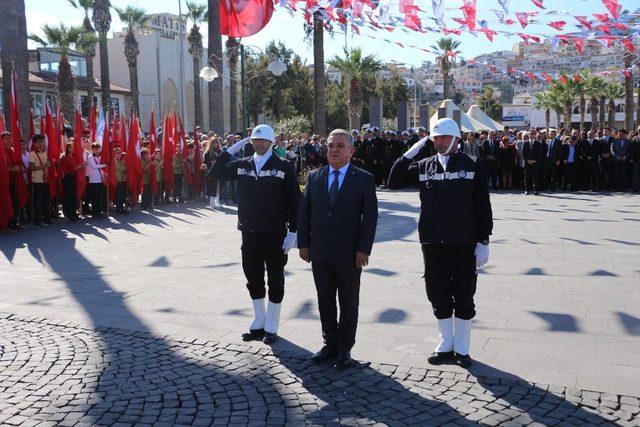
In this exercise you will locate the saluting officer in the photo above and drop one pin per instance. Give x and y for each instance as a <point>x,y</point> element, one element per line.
<point>268,198</point>
<point>454,228</point>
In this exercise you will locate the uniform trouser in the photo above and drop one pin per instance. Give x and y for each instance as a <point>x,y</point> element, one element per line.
<point>121,197</point>
<point>342,278</point>
<point>531,177</point>
<point>94,190</point>
<point>591,175</point>
<point>552,175</point>
<point>177,187</point>
<point>69,196</point>
<point>41,202</point>
<point>13,222</point>
<point>450,277</point>
<point>260,250</point>
<point>621,174</point>
<point>606,175</point>
<point>569,176</point>
<point>147,196</point>
<point>635,176</point>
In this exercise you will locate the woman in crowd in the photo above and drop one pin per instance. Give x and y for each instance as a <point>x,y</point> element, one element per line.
<point>69,170</point>
<point>471,147</point>
<point>506,162</point>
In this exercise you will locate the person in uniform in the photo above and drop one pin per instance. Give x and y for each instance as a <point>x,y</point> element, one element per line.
<point>454,228</point>
<point>268,198</point>
<point>336,229</point>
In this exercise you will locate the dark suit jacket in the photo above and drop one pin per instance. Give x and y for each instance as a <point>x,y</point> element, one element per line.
<point>577,154</point>
<point>617,150</point>
<point>337,233</point>
<point>533,150</point>
<point>556,150</point>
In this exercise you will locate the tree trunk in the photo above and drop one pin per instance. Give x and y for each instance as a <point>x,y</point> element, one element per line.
<point>197,96</point>
<point>135,94</point>
<point>547,118</point>
<point>216,116</point>
<point>612,113</point>
<point>568,112</point>
<point>445,86</point>
<point>319,107</point>
<point>593,104</point>
<point>233,99</point>
<point>105,81</point>
<point>13,55</point>
<point>602,111</point>
<point>581,108</point>
<point>628,92</point>
<point>66,89</point>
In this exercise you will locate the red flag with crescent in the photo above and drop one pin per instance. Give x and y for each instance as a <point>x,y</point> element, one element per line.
<point>244,18</point>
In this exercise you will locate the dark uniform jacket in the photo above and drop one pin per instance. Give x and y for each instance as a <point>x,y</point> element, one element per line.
<point>455,206</point>
<point>556,147</point>
<point>267,200</point>
<point>590,149</point>
<point>337,232</point>
<point>533,150</point>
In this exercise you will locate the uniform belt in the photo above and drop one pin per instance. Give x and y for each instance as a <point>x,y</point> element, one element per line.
<point>446,176</point>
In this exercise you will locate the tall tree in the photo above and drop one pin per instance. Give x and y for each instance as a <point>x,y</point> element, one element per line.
<point>594,89</point>
<point>628,91</point>
<point>446,50</point>
<point>613,91</point>
<point>62,38</point>
<point>14,57</point>
<point>233,53</point>
<point>545,102</point>
<point>214,43</point>
<point>197,13</point>
<point>319,107</point>
<point>354,66</point>
<point>135,18</point>
<point>87,44</point>
<point>102,23</point>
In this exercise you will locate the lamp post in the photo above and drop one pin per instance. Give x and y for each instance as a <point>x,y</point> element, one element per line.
<point>276,67</point>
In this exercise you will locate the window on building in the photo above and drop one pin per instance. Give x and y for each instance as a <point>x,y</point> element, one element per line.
<point>51,100</point>
<point>85,105</point>
<point>115,106</point>
<point>37,104</point>
<point>620,108</point>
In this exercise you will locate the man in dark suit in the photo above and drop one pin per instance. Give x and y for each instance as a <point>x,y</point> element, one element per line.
<point>337,225</point>
<point>635,162</point>
<point>532,152</point>
<point>606,170</point>
<point>552,176</point>
<point>489,154</point>
<point>621,151</point>
<point>591,150</point>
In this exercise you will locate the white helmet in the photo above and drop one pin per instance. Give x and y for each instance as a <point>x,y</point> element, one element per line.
<point>263,132</point>
<point>446,127</point>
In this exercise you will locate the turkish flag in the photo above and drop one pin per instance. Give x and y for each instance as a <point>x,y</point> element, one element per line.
<point>244,18</point>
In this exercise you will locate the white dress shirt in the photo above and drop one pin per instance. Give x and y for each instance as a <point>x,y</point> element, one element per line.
<point>443,161</point>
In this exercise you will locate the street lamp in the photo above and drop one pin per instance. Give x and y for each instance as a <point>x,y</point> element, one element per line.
<point>277,67</point>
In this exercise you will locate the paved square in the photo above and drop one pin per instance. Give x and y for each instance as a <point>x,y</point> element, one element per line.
<point>558,307</point>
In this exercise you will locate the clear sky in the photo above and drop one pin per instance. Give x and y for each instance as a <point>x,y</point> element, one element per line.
<point>289,29</point>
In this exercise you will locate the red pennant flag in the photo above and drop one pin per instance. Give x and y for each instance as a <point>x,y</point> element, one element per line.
<point>538,3</point>
<point>579,44</point>
<point>628,43</point>
<point>613,7</point>
<point>493,68</point>
<point>6,205</point>
<point>115,137</point>
<point>547,77</point>
<point>523,18</point>
<point>563,79</point>
<point>585,23</point>
<point>626,73</point>
<point>489,33</point>
<point>447,31</point>
<point>531,76</point>
<point>153,144</point>
<point>14,109</point>
<point>53,153</point>
<point>469,11</point>
<point>608,40</point>
<point>605,29</point>
<point>123,133</point>
<point>240,18</point>
<point>167,154</point>
<point>107,158</point>
<point>578,78</point>
<point>602,17</point>
<point>78,156</point>
<point>2,125</point>
<point>558,25</point>
<point>509,21</point>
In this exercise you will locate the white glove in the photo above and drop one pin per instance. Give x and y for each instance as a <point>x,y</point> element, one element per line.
<point>415,148</point>
<point>482,255</point>
<point>290,241</point>
<point>238,146</point>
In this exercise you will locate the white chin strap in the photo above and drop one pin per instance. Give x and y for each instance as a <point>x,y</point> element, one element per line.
<point>453,141</point>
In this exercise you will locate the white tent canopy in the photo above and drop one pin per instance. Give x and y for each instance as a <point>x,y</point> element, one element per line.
<point>478,115</point>
<point>467,124</point>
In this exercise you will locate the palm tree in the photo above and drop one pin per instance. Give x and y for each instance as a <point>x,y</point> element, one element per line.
<point>578,90</point>
<point>446,49</point>
<point>354,67</point>
<point>319,107</point>
<point>197,13</point>
<point>628,91</point>
<point>594,89</point>
<point>62,38</point>
<point>566,93</point>
<point>214,43</point>
<point>544,101</point>
<point>613,91</point>
<point>135,18</point>
<point>14,57</point>
<point>87,45</point>
<point>102,23</point>
<point>556,102</point>
<point>233,50</point>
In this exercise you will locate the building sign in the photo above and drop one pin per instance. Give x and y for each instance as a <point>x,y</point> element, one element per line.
<point>169,26</point>
<point>513,118</point>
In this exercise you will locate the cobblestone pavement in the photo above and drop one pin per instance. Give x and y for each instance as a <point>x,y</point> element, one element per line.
<point>59,373</point>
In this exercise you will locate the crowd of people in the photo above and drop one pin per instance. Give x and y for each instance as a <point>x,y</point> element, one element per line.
<point>529,161</point>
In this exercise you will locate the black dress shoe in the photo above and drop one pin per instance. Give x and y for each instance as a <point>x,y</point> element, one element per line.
<point>344,360</point>
<point>438,358</point>
<point>464,361</point>
<point>325,353</point>
<point>253,335</point>
<point>269,338</point>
